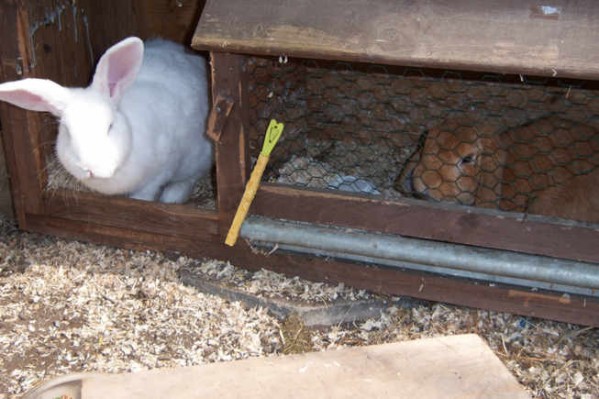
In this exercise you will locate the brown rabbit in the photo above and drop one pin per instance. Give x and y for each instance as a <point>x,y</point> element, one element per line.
<point>472,164</point>
<point>547,152</point>
<point>577,200</point>
<point>459,162</point>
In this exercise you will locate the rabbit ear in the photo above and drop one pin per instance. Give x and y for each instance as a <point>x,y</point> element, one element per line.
<point>118,67</point>
<point>36,95</point>
<point>403,181</point>
<point>491,173</point>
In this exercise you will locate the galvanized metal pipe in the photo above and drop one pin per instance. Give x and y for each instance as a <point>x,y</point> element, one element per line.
<point>431,256</point>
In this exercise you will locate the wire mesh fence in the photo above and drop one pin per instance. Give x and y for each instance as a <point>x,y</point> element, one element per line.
<point>483,140</point>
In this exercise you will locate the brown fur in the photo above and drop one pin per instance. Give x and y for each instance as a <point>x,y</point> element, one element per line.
<point>479,165</point>
<point>576,200</point>
<point>458,163</point>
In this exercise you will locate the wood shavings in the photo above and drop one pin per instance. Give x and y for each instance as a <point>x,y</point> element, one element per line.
<point>68,307</point>
<point>91,308</point>
<point>268,284</point>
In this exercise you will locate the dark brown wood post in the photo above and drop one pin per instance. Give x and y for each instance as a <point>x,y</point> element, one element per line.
<point>231,150</point>
<point>20,129</point>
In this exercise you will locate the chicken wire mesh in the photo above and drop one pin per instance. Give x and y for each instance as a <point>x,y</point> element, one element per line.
<point>485,140</point>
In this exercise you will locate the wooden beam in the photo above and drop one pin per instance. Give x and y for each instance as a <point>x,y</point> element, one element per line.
<point>20,128</point>
<point>517,36</point>
<point>389,281</point>
<point>6,208</point>
<point>439,222</point>
<point>231,151</point>
<point>169,19</point>
<point>148,217</point>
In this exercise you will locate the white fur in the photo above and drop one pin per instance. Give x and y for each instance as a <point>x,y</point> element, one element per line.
<point>138,129</point>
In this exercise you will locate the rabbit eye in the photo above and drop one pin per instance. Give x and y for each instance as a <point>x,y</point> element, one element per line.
<point>468,159</point>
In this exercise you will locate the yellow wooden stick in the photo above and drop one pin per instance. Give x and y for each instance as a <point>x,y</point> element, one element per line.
<point>273,132</point>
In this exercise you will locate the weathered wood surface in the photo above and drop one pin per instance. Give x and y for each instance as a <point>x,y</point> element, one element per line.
<point>559,38</point>
<point>171,19</point>
<point>460,366</point>
<point>21,130</point>
<point>438,222</point>
<point>5,194</point>
<point>165,219</point>
<point>231,151</point>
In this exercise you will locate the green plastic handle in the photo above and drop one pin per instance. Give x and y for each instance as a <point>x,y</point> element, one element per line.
<point>273,133</point>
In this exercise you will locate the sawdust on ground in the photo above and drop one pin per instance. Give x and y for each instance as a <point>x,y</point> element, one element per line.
<point>67,306</point>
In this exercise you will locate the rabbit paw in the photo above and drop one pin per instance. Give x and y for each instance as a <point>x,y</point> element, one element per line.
<point>177,192</point>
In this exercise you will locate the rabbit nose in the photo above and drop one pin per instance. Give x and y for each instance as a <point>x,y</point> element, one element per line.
<point>423,195</point>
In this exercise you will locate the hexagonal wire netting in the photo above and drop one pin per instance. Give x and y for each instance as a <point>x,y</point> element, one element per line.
<point>485,140</point>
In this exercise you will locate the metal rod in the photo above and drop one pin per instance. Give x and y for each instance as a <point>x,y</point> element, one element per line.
<point>431,256</point>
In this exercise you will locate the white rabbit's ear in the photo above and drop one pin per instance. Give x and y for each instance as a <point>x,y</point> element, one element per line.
<point>118,67</point>
<point>36,95</point>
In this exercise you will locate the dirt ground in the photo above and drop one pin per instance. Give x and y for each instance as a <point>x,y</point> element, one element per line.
<point>67,306</point>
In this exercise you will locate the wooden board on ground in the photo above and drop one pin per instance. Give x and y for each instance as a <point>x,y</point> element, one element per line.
<point>461,366</point>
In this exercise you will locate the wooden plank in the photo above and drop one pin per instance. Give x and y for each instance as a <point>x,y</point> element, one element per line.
<point>170,19</point>
<point>200,245</point>
<point>231,152</point>
<point>389,281</point>
<point>460,366</point>
<point>56,42</point>
<point>516,36</point>
<point>5,194</point>
<point>151,217</point>
<point>317,315</point>
<point>106,22</point>
<point>438,222</point>
<point>16,124</point>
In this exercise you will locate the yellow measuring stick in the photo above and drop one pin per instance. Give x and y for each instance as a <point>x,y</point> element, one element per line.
<point>273,132</point>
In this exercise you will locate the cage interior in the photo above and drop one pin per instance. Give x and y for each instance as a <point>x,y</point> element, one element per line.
<point>511,143</point>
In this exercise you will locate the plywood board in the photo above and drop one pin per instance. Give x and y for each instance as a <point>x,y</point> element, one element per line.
<point>460,366</point>
<point>516,36</point>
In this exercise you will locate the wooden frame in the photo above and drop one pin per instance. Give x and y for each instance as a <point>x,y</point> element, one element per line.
<point>142,225</point>
<point>463,37</point>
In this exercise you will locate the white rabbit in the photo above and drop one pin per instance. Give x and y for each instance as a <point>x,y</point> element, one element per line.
<point>138,129</point>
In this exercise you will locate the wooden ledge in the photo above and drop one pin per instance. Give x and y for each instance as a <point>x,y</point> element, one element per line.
<point>521,37</point>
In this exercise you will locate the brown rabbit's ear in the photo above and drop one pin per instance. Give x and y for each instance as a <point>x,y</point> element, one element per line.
<point>492,161</point>
<point>401,183</point>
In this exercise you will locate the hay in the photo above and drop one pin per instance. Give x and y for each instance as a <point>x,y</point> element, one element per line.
<point>60,181</point>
